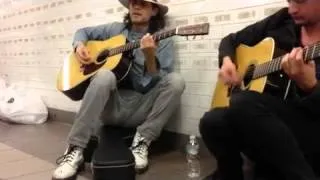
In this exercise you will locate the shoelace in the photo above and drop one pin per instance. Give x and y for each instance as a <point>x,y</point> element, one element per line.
<point>69,157</point>
<point>140,148</point>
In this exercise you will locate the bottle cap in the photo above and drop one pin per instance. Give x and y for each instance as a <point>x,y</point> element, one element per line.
<point>192,137</point>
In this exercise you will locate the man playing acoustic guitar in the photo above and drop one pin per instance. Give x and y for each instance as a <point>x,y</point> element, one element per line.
<point>280,133</point>
<point>146,101</point>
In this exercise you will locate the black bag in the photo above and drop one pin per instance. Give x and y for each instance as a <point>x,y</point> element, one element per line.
<point>112,159</point>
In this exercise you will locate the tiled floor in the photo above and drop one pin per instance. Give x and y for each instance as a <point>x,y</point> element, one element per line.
<point>28,152</point>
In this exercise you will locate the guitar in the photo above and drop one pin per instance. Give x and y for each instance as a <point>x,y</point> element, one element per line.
<point>259,71</point>
<point>112,54</point>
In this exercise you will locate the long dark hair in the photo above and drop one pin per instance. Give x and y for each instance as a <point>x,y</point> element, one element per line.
<point>156,22</point>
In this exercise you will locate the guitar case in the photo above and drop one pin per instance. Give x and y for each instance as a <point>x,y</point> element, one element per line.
<point>112,159</point>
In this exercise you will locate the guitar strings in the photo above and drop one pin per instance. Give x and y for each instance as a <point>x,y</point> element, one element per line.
<point>275,64</point>
<point>136,44</point>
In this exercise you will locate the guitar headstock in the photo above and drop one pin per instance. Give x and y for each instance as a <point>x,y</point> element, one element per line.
<point>197,29</point>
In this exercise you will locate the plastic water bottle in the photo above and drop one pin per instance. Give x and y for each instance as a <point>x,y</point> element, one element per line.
<point>192,151</point>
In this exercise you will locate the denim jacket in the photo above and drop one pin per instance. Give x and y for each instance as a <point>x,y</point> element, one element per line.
<point>141,80</point>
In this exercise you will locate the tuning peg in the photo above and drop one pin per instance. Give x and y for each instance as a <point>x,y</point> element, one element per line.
<point>194,37</point>
<point>187,38</point>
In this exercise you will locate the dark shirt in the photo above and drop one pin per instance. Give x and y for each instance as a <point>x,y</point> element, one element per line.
<point>282,28</point>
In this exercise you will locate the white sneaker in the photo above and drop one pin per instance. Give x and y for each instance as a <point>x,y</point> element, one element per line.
<point>69,165</point>
<point>139,150</point>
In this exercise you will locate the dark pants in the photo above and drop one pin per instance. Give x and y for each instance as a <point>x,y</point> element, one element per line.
<point>268,130</point>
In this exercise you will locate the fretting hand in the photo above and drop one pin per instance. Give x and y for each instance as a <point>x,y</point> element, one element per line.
<point>148,46</point>
<point>303,73</point>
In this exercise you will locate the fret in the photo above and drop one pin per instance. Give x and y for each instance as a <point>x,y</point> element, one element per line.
<point>313,51</point>
<point>274,65</point>
<point>267,68</point>
<point>263,69</point>
<point>306,57</point>
<point>258,70</point>
<point>316,51</point>
<point>271,66</point>
<point>278,64</point>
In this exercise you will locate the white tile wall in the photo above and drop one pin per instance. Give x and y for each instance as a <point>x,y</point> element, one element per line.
<point>35,35</point>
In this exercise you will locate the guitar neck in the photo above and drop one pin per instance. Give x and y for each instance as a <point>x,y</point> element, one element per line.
<point>136,44</point>
<point>309,53</point>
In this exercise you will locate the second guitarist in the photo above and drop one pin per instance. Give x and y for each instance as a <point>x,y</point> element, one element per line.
<point>281,136</point>
<point>150,96</point>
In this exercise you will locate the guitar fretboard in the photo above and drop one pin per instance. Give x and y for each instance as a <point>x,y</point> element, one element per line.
<point>274,65</point>
<point>136,44</point>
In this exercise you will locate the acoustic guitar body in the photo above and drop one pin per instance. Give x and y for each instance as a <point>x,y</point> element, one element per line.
<point>250,57</point>
<point>74,77</point>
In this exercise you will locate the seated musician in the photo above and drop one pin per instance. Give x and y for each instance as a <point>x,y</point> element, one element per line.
<point>148,98</point>
<point>279,131</point>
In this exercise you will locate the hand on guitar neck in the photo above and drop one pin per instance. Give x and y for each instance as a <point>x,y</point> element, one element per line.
<point>302,72</point>
<point>148,46</point>
<point>83,54</point>
<point>228,73</point>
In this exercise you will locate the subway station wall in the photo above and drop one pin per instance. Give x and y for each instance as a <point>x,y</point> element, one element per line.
<point>36,35</point>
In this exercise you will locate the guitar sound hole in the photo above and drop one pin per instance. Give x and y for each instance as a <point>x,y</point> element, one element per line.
<point>248,76</point>
<point>102,56</point>
<point>90,68</point>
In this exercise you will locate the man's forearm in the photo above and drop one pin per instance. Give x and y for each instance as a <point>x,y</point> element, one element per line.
<point>80,37</point>
<point>151,64</point>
